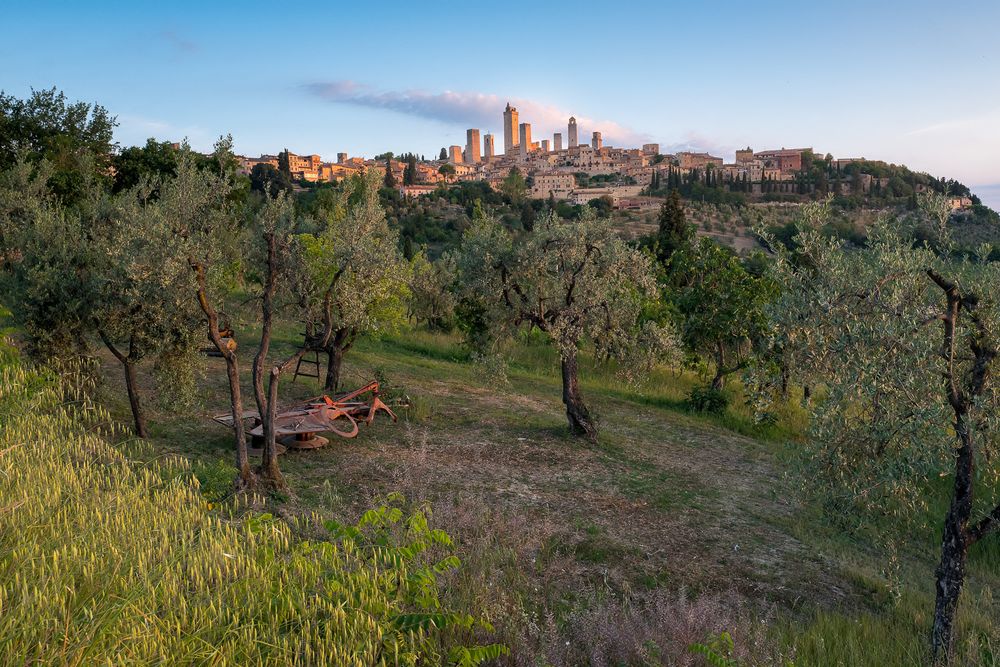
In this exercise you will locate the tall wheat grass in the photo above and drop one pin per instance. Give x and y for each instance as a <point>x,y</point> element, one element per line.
<point>104,560</point>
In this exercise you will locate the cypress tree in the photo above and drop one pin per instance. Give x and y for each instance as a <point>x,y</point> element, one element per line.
<point>674,233</point>
<point>390,180</point>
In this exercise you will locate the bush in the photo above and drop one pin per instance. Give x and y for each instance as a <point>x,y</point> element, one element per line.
<point>706,399</point>
<point>108,560</point>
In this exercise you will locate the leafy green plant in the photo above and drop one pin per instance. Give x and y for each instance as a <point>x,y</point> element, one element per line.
<point>707,399</point>
<point>717,650</point>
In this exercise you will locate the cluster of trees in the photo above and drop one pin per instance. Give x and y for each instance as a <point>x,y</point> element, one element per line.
<point>144,262</point>
<point>900,336</point>
<point>903,339</point>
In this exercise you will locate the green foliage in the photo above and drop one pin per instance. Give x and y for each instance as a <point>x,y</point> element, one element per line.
<point>718,651</point>
<point>267,180</point>
<point>707,399</point>
<point>514,187</point>
<point>432,300</point>
<point>594,286</point>
<point>153,575</point>
<point>674,233</point>
<point>155,160</point>
<point>76,139</point>
<point>721,306</point>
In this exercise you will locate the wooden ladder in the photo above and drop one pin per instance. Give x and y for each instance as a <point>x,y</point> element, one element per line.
<point>314,362</point>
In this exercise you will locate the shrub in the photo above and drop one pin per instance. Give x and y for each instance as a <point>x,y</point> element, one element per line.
<point>707,399</point>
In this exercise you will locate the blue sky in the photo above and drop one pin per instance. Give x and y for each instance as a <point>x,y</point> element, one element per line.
<point>914,82</point>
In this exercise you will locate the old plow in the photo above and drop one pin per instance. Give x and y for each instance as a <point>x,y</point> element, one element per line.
<point>299,427</point>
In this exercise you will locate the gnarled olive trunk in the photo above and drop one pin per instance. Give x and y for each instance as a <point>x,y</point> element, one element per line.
<point>719,381</point>
<point>580,421</point>
<point>336,348</point>
<point>245,478</point>
<point>269,470</point>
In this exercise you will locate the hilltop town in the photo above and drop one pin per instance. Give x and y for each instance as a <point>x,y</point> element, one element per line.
<point>582,172</point>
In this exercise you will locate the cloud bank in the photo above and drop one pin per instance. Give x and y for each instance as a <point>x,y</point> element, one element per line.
<point>473,109</point>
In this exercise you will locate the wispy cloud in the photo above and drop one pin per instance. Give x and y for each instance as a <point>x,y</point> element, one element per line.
<point>980,122</point>
<point>471,109</point>
<point>179,42</point>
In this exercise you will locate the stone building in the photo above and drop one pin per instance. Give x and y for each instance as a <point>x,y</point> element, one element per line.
<point>557,141</point>
<point>472,145</point>
<point>510,138</point>
<point>596,142</point>
<point>488,147</point>
<point>525,139</point>
<point>573,139</point>
<point>689,160</point>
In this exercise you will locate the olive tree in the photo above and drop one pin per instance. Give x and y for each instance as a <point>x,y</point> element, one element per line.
<point>45,279</point>
<point>141,304</point>
<point>905,343</point>
<point>432,299</point>
<point>196,210</point>
<point>359,253</point>
<point>575,281</point>
<point>720,305</point>
<point>100,266</point>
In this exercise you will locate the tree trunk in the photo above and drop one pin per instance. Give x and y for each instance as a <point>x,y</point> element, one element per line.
<point>269,471</point>
<point>138,418</point>
<point>580,421</point>
<point>340,342</point>
<point>245,478</point>
<point>128,365</point>
<point>335,357</point>
<point>719,381</point>
<point>954,548</point>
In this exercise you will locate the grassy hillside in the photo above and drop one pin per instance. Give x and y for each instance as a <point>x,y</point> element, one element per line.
<point>109,554</point>
<point>670,529</point>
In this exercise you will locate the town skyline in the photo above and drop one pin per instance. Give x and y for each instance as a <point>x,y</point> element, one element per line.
<point>699,79</point>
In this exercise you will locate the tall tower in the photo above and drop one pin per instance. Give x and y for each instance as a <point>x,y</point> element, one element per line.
<point>573,141</point>
<point>525,139</point>
<point>545,145</point>
<point>488,147</point>
<point>509,129</point>
<point>595,141</point>
<point>557,141</point>
<point>455,154</point>
<point>472,145</point>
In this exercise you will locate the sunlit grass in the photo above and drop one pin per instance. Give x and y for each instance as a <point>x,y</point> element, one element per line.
<point>104,560</point>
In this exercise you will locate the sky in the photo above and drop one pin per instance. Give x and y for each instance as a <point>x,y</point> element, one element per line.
<point>909,82</point>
